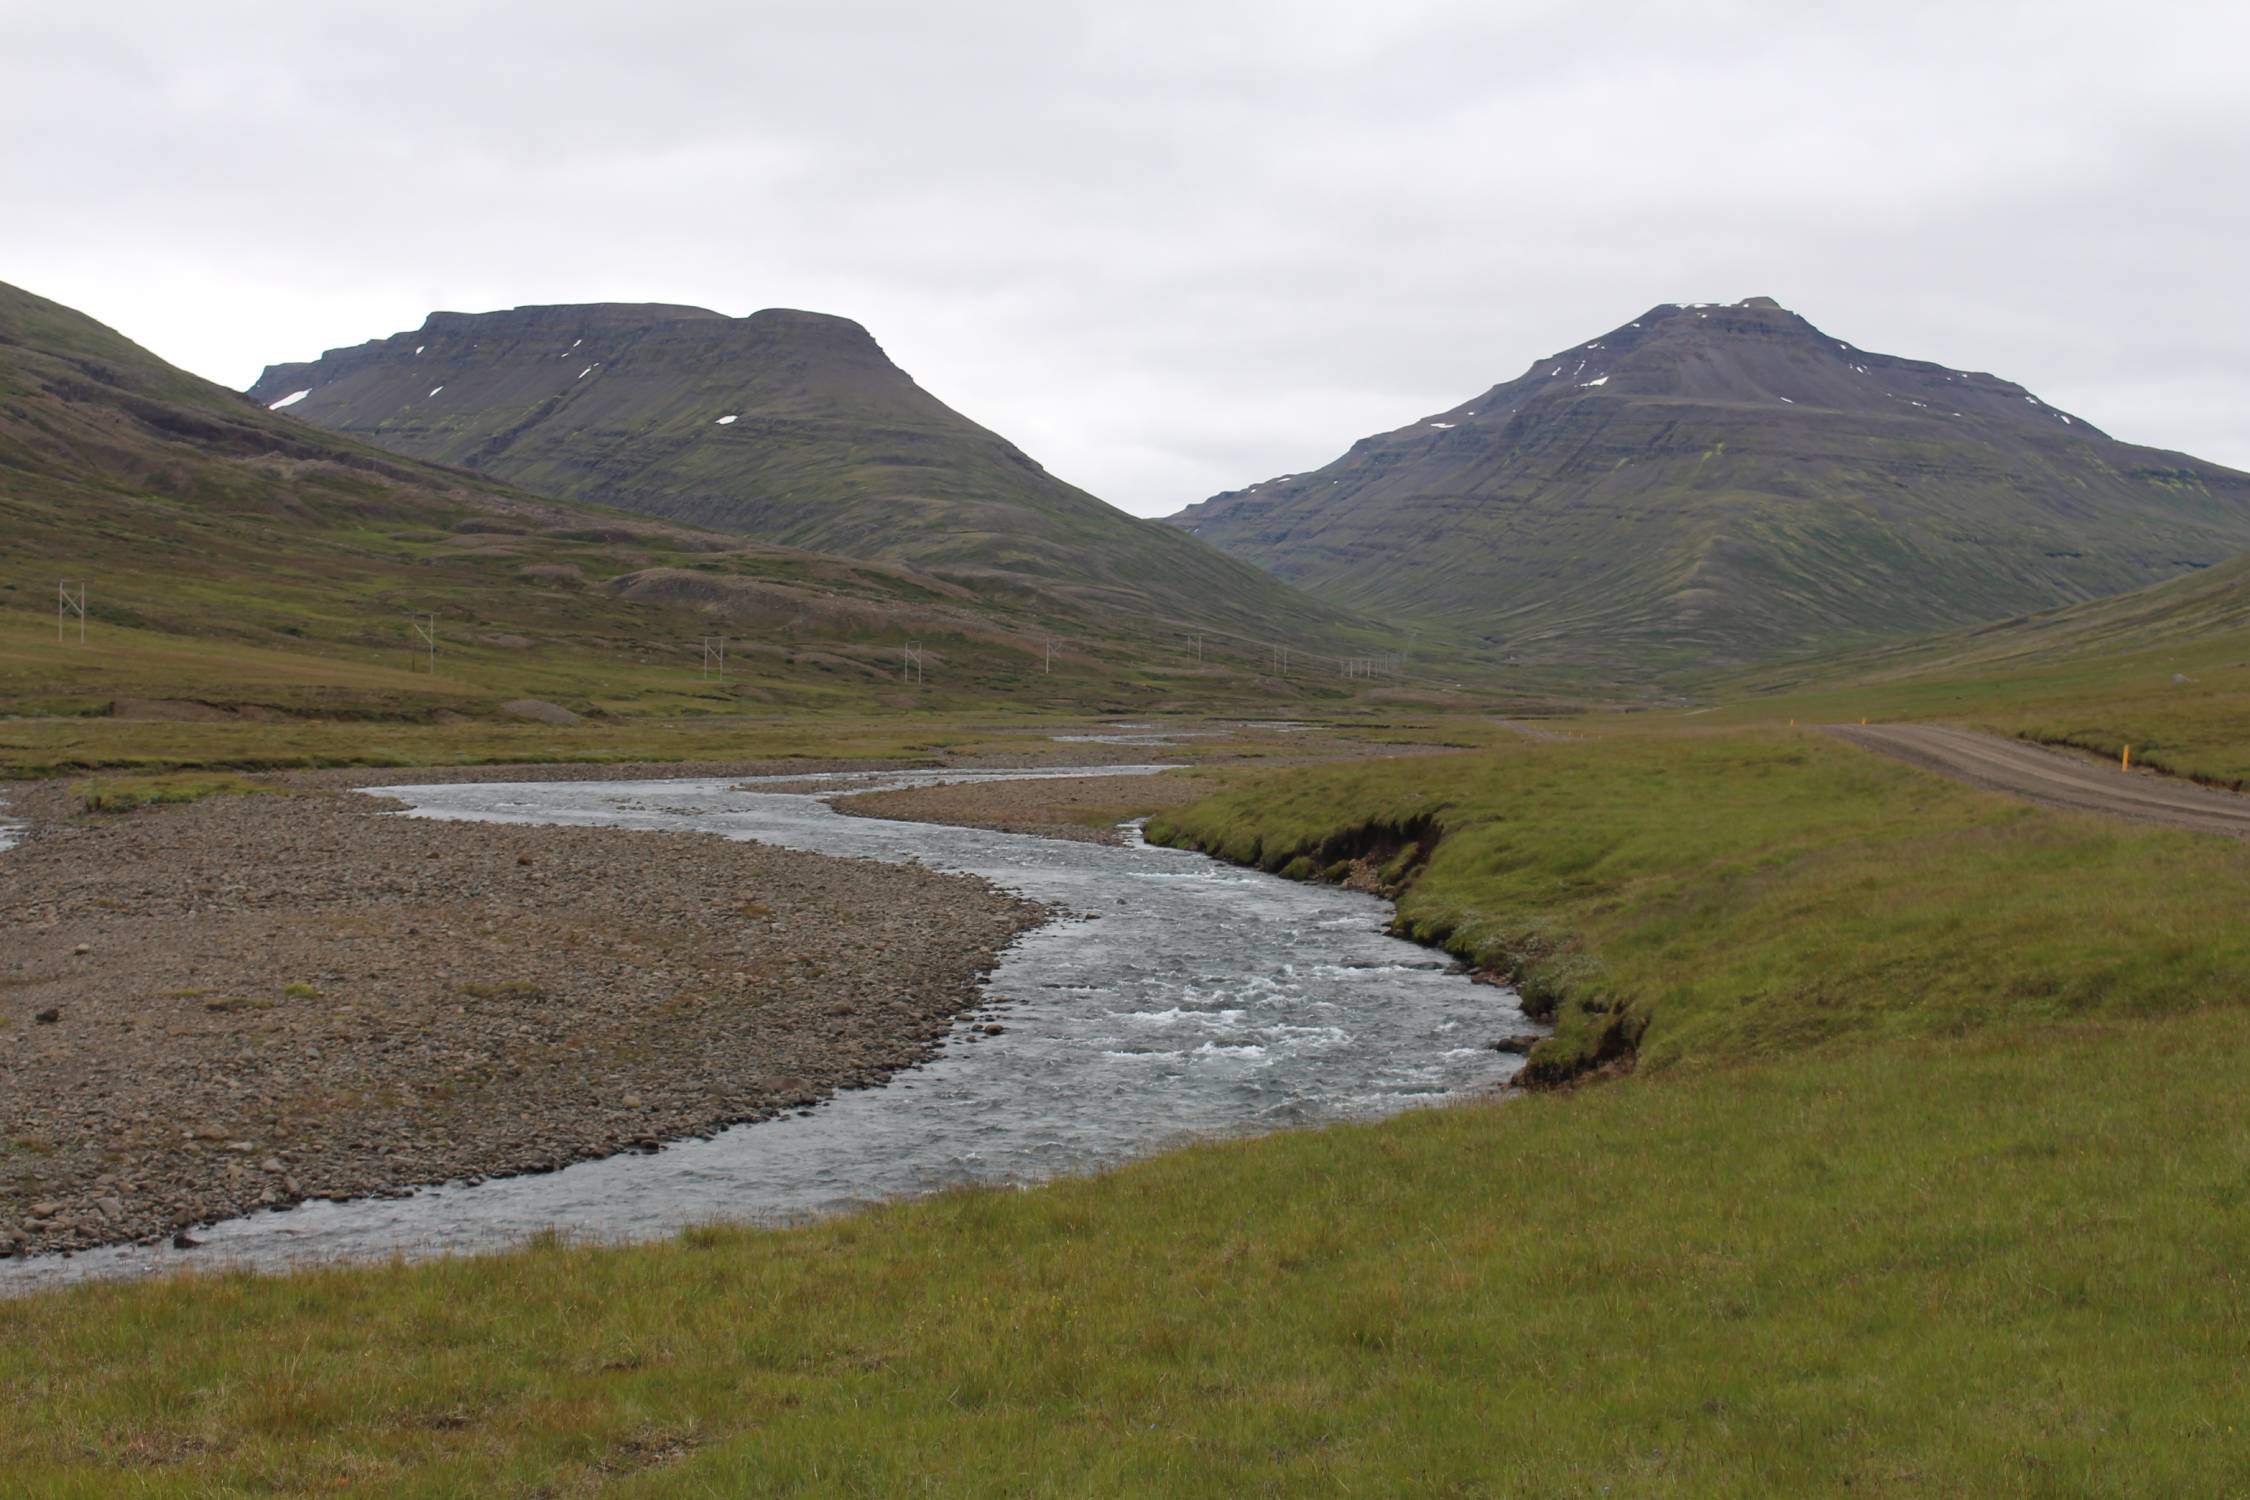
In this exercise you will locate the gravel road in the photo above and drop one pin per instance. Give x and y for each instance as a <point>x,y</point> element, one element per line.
<point>2054,777</point>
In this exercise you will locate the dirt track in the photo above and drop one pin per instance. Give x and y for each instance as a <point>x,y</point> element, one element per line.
<point>2054,777</point>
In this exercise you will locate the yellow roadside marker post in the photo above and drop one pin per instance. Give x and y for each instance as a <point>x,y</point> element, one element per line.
<point>2125,761</point>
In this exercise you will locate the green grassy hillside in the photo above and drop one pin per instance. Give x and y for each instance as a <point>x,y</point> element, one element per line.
<point>789,426</point>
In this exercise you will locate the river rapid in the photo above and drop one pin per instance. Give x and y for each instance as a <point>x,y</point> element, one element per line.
<point>1174,998</point>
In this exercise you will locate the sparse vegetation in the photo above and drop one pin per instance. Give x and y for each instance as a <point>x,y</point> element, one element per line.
<point>506,989</point>
<point>126,794</point>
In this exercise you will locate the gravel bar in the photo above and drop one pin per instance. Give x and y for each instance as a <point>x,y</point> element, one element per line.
<point>260,999</point>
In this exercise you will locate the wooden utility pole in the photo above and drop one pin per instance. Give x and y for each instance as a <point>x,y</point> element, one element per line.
<point>715,655</point>
<point>425,626</point>
<point>68,604</point>
<point>910,666</point>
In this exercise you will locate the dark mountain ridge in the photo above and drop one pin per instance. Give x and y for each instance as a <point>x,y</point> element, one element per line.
<point>794,427</point>
<point>1709,485</point>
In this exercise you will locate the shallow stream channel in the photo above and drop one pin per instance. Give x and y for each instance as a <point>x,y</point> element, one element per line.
<point>1173,998</point>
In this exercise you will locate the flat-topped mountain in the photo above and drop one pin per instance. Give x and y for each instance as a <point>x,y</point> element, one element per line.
<point>237,561</point>
<point>1709,485</point>
<point>789,426</point>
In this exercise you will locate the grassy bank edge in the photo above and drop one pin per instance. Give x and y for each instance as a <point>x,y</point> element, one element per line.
<point>1694,897</point>
<point>1592,1030</point>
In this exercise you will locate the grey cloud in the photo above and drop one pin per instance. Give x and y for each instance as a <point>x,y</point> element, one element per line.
<point>1169,248</point>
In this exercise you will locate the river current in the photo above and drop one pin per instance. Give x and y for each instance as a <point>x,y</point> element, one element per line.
<point>1175,998</point>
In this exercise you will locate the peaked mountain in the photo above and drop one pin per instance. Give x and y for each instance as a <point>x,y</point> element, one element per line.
<point>1708,486</point>
<point>790,426</point>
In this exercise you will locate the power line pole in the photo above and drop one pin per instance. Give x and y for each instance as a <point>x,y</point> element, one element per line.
<point>1049,669</point>
<point>67,604</point>
<point>425,626</point>
<point>715,655</point>
<point>910,667</point>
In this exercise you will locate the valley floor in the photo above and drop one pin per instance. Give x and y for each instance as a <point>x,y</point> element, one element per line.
<point>1930,1180</point>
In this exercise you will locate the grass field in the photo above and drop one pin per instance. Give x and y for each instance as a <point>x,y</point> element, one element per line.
<point>58,746</point>
<point>2001,1265</point>
<point>41,747</point>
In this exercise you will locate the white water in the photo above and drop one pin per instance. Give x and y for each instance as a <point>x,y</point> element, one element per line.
<point>1187,999</point>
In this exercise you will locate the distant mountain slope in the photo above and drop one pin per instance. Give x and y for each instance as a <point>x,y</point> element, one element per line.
<point>790,426</point>
<point>242,561</point>
<point>1709,486</point>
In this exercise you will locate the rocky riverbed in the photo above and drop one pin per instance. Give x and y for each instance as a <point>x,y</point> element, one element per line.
<point>255,1000</point>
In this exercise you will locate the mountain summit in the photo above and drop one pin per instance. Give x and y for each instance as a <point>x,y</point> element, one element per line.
<point>1707,485</point>
<point>793,427</point>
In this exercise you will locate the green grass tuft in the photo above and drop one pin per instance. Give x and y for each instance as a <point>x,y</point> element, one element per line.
<point>125,795</point>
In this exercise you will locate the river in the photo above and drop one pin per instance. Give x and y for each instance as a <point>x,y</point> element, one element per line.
<point>1175,998</point>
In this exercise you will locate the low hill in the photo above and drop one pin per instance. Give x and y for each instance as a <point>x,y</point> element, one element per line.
<point>1707,486</point>
<point>793,427</point>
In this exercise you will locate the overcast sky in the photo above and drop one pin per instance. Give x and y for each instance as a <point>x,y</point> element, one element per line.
<point>1166,248</point>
